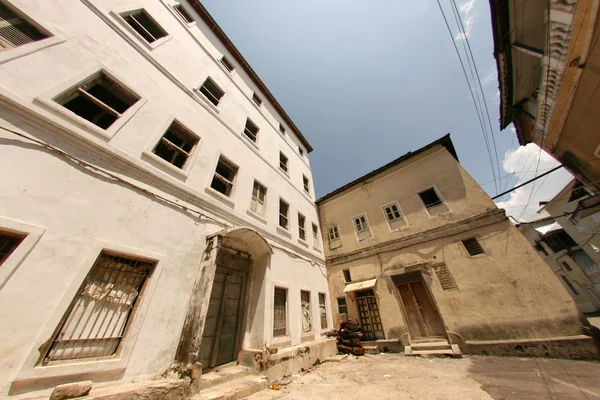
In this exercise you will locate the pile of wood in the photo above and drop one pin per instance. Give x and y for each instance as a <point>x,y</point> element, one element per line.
<point>349,337</point>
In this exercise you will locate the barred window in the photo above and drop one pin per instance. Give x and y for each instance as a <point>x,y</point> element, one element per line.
<point>280,312</point>
<point>16,31</point>
<point>473,247</point>
<point>347,276</point>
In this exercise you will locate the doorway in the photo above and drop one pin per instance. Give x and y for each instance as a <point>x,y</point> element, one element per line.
<point>223,323</point>
<point>422,318</point>
<point>368,312</point>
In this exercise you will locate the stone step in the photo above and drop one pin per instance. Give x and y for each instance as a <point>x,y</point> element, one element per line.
<point>449,349</point>
<point>441,345</point>
<point>233,390</point>
<point>371,349</point>
<point>222,375</point>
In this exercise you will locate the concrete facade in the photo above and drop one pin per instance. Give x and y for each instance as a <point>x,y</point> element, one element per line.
<point>72,191</point>
<point>504,294</point>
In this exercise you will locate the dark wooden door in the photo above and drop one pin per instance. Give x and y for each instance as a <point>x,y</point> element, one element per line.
<point>423,319</point>
<point>369,315</point>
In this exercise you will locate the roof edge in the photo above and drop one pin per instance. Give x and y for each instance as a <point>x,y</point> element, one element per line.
<point>444,141</point>
<point>501,38</point>
<point>220,34</point>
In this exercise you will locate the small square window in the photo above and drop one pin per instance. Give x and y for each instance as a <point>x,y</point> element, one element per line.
<point>212,91</point>
<point>176,145</point>
<point>98,99</point>
<point>227,64</point>
<point>224,175</point>
<point>8,243</point>
<point>430,198</point>
<point>301,228</point>
<point>144,25</point>
<point>300,151</point>
<point>283,162</point>
<point>281,129</point>
<point>284,212</point>
<point>259,195</point>
<point>182,12</point>
<point>362,227</point>
<point>16,31</point>
<point>347,276</point>
<point>257,99</point>
<point>473,247</point>
<point>306,184</point>
<point>393,215</point>
<point>251,130</point>
<point>342,306</point>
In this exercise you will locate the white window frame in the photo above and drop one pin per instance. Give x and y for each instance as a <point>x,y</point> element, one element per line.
<point>306,187</point>
<point>289,223</point>
<point>220,62</point>
<point>357,232</point>
<point>402,216</point>
<point>302,228</point>
<point>89,368</point>
<point>32,235</point>
<point>228,200</point>
<point>444,202</point>
<point>47,99</point>
<point>116,14</point>
<point>334,243</point>
<point>253,199</point>
<point>171,7</point>
<point>248,137</point>
<point>287,164</point>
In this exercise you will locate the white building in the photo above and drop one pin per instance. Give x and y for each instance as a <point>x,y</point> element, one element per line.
<point>157,203</point>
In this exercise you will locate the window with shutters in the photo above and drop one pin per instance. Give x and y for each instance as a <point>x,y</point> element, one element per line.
<point>284,213</point>
<point>334,237</point>
<point>144,25</point>
<point>227,64</point>
<point>347,276</point>
<point>393,215</point>
<point>183,14</point>
<point>251,130</point>
<point>212,91</point>
<point>8,243</point>
<point>176,145</point>
<point>306,184</point>
<point>280,312</point>
<point>342,306</point>
<point>306,311</point>
<point>224,176</point>
<point>323,310</point>
<point>283,162</point>
<point>301,227</point>
<point>473,247</point>
<point>99,99</point>
<point>16,30</point>
<point>97,318</point>
<point>361,226</point>
<point>259,196</point>
<point>256,99</point>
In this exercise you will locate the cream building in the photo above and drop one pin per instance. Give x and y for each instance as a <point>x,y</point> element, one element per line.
<point>157,204</point>
<point>419,254</point>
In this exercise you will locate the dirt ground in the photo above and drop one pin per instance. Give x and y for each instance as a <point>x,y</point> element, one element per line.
<point>394,376</point>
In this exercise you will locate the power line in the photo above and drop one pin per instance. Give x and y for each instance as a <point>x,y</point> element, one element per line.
<point>527,182</point>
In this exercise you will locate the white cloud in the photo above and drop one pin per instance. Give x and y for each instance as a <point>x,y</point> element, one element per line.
<point>468,18</point>
<point>490,77</point>
<point>522,162</point>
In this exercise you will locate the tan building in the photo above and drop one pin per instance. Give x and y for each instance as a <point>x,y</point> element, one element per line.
<point>420,255</point>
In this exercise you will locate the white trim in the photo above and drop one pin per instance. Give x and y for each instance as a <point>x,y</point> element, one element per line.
<point>47,99</point>
<point>15,259</point>
<point>368,226</point>
<point>116,14</point>
<point>402,216</point>
<point>29,48</point>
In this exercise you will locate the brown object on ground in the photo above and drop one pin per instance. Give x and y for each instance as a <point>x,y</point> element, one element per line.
<point>71,390</point>
<point>348,338</point>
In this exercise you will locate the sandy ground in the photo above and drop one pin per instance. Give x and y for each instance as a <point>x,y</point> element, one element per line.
<point>394,376</point>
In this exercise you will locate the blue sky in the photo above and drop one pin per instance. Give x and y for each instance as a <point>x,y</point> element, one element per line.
<point>368,81</point>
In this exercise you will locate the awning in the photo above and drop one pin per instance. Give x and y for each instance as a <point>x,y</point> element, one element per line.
<point>352,287</point>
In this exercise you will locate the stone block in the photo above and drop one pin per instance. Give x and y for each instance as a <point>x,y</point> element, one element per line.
<point>71,390</point>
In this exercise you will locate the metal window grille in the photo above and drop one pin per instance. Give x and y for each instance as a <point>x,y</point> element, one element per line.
<point>283,162</point>
<point>473,247</point>
<point>251,130</point>
<point>98,99</point>
<point>227,64</point>
<point>256,99</point>
<point>430,198</point>
<point>176,145</point>
<point>98,316</point>
<point>570,285</point>
<point>301,229</point>
<point>284,209</point>
<point>280,312</point>
<point>144,25</point>
<point>281,129</point>
<point>211,91</point>
<point>323,310</point>
<point>15,31</point>
<point>259,193</point>
<point>8,243</point>
<point>183,13</point>
<point>342,306</point>
<point>306,312</point>
<point>224,174</point>
<point>347,276</point>
<point>305,183</point>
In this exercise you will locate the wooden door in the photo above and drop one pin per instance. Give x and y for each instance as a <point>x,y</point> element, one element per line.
<point>422,317</point>
<point>368,312</point>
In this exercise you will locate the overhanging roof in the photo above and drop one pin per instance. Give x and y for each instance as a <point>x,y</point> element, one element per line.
<point>353,287</point>
<point>218,32</point>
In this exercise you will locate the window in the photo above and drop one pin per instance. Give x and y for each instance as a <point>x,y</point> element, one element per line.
<point>8,243</point>
<point>280,312</point>
<point>176,145</point>
<point>306,314</point>
<point>259,194</point>
<point>334,237</point>
<point>306,184</point>
<point>257,99</point>
<point>347,276</point>
<point>566,266</point>
<point>281,129</point>
<point>144,25</point>
<point>224,176</point>
<point>559,240</point>
<point>251,130</point>
<point>393,215</point>
<point>211,91</point>
<point>183,13</point>
<point>323,310</point>
<point>284,210</point>
<point>15,31</point>
<point>362,227</point>
<point>430,198</point>
<point>578,192</point>
<point>570,285</point>
<point>100,312</point>
<point>227,64</point>
<point>283,162</point>
<point>333,233</point>
<point>473,247</point>
<point>98,99</point>
<point>300,151</point>
<point>315,231</point>
<point>301,229</point>
<point>342,306</point>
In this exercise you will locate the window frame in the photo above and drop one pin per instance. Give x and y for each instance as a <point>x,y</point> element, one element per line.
<point>286,336</point>
<point>282,129</point>
<point>256,99</point>
<point>367,229</point>
<point>333,243</point>
<point>223,61</point>
<point>205,99</point>
<point>118,15</point>
<point>31,236</point>
<point>345,305</point>
<point>247,133</point>
<point>252,198</point>
<point>402,217</point>
<point>301,227</point>
<point>442,203</point>
<point>286,164</point>
<point>182,19</point>
<point>306,184</point>
<point>326,327</point>
<point>232,182</point>
<point>287,217</point>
